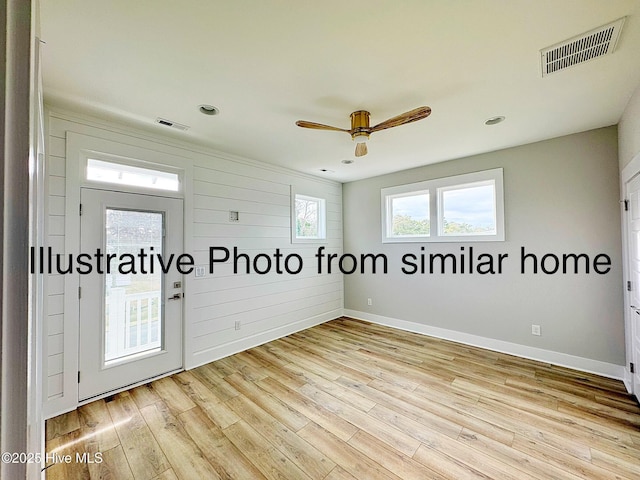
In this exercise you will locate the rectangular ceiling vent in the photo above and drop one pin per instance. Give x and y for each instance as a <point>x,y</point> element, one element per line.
<point>595,43</point>
<point>169,123</point>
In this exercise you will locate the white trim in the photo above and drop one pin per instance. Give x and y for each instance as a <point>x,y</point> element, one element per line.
<point>231,348</point>
<point>631,170</point>
<point>582,364</point>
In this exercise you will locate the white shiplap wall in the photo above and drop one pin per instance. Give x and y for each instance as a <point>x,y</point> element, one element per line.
<point>267,306</point>
<point>54,284</point>
<point>262,303</point>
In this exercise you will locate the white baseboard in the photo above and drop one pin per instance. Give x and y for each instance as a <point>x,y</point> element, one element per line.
<point>582,364</point>
<point>240,345</point>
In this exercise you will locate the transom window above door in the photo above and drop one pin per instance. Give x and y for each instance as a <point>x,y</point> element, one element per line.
<point>120,174</point>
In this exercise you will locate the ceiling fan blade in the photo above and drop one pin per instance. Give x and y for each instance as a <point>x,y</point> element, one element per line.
<point>407,117</point>
<point>361,149</point>
<point>319,126</point>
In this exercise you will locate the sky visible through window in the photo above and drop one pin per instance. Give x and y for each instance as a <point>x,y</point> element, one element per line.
<point>473,206</point>
<point>414,206</point>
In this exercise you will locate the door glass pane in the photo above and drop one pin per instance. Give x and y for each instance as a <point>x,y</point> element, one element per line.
<point>133,310</point>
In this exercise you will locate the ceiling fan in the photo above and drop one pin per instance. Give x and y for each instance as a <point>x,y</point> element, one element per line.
<point>360,129</point>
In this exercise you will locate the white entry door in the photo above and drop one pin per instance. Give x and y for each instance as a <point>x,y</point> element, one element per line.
<point>633,254</point>
<point>131,313</point>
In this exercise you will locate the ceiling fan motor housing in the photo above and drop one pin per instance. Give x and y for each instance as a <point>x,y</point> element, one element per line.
<point>360,126</point>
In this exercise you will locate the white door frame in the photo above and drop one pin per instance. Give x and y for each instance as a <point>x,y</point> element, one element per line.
<point>135,148</point>
<point>628,172</point>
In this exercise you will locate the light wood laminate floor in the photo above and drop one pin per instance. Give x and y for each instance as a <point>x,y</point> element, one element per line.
<point>352,400</point>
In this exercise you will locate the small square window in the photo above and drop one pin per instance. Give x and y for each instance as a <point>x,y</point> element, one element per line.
<point>309,218</point>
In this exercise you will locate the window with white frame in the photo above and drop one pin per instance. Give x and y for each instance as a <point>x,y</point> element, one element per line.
<point>309,218</point>
<point>462,208</point>
<point>121,174</point>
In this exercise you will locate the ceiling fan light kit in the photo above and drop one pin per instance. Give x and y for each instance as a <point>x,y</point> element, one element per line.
<point>360,129</point>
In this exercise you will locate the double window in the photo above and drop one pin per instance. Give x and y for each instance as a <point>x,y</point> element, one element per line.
<point>463,208</point>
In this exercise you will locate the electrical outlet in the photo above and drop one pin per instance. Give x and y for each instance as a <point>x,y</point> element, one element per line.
<point>369,302</point>
<point>237,324</point>
<point>200,271</point>
<point>535,330</point>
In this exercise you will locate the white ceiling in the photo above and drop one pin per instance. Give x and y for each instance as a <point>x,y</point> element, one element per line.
<point>267,63</point>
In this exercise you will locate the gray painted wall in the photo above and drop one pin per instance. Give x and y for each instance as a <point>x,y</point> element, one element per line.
<point>561,196</point>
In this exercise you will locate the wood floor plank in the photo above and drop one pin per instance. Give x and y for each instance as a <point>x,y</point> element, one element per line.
<point>172,395</point>
<point>340,361</point>
<point>266,458</point>
<point>391,435</point>
<point>402,465</point>
<point>113,465</point>
<point>269,403</point>
<point>96,424</point>
<point>143,453</point>
<point>61,445</point>
<point>332,388</point>
<point>514,458</point>
<point>216,384</point>
<point>477,460</point>
<point>144,395</point>
<point>213,407</point>
<point>229,462</point>
<point>185,457</point>
<point>440,417</point>
<point>311,461</point>
<point>582,468</point>
<point>273,367</point>
<point>166,475</point>
<point>237,364</point>
<point>340,473</point>
<point>445,465</point>
<point>619,463</point>
<point>62,424</point>
<point>564,429</point>
<point>314,412</point>
<point>343,454</point>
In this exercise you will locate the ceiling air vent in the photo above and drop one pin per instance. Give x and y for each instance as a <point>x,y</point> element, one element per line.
<point>169,123</point>
<point>595,43</point>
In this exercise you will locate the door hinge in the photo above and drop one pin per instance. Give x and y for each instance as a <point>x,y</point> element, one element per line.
<point>80,210</point>
<point>628,286</point>
<point>78,376</point>
<point>632,367</point>
<point>79,293</point>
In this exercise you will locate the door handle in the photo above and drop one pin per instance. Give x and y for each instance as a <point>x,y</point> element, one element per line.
<point>176,296</point>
